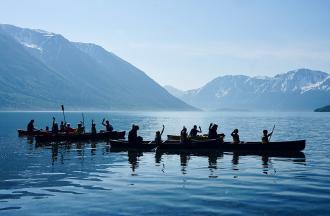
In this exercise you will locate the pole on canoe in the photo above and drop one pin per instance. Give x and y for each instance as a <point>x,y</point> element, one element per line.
<point>272,133</point>
<point>62,106</point>
<point>83,122</point>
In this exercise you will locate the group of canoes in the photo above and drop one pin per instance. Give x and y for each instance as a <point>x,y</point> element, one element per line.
<point>211,140</point>
<point>193,134</point>
<point>65,128</point>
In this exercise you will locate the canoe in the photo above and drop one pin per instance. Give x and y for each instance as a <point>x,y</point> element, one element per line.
<point>284,146</point>
<point>33,133</point>
<point>125,145</point>
<point>215,152</point>
<point>198,137</point>
<point>177,137</point>
<point>215,145</point>
<point>72,137</point>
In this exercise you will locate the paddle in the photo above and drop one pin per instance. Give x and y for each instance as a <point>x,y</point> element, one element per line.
<point>62,106</point>
<point>272,133</point>
<point>83,122</point>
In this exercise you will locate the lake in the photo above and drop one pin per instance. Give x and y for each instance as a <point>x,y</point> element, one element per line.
<point>90,179</point>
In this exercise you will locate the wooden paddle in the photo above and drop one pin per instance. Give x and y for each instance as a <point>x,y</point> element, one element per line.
<point>83,122</point>
<point>62,106</point>
<point>272,133</point>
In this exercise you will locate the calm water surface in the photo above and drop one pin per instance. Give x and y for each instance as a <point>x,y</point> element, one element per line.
<point>90,179</point>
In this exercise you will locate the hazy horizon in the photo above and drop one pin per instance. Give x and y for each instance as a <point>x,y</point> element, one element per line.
<point>186,44</point>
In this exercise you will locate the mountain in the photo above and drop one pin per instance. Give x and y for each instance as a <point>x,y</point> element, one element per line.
<point>174,91</point>
<point>42,70</point>
<point>301,89</point>
<point>323,109</point>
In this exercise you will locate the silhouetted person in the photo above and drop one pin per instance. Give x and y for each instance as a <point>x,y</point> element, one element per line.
<point>235,136</point>
<point>30,126</point>
<point>184,135</point>
<point>62,127</point>
<point>107,125</point>
<point>80,129</point>
<point>158,136</point>
<point>265,137</point>
<point>69,129</point>
<point>194,131</point>
<point>54,127</point>
<point>93,129</point>
<point>213,134</point>
<point>47,129</point>
<point>133,138</point>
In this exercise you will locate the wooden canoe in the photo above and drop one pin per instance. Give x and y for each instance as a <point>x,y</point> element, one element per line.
<point>72,137</point>
<point>283,146</point>
<point>125,145</point>
<point>215,145</point>
<point>22,133</point>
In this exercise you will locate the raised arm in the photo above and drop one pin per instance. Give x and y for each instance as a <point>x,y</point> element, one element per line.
<point>200,129</point>
<point>161,133</point>
<point>270,134</point>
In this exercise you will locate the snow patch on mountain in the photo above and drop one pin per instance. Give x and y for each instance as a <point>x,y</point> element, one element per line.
<point>32,46</point>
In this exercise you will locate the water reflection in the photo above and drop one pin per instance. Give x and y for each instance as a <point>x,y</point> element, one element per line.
<point>133,159</point>
<point>184,157</point>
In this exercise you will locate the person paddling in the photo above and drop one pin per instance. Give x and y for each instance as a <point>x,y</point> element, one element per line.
<point>69,129</point>
<point>133,138</point>
<point>62,127</point>
<point>80,128</point>
<point>265,137</point>
<point>107,125</point>
<point>235,136</point>
<point>54,127</point>
<point>184,135</point>
<point>158,137</point>
<point>30,126</point>
<point>213,134</point>
<point>194,131</point>
<point>93,129</point>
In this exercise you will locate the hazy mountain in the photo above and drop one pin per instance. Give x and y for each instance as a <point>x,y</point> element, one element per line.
<point>44,66</point>
<point>301,89</point>
<point>174,91</point>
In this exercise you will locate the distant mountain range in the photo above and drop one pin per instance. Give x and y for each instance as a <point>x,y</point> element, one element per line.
<point>41,70</point>
<point>301,89</point>
<point>323,109</point>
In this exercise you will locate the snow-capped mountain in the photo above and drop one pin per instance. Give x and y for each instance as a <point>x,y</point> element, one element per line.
<point>301,89</point>
<point>40,70</point>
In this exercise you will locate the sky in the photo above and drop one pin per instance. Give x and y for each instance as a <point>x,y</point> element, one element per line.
<point>187,43</point>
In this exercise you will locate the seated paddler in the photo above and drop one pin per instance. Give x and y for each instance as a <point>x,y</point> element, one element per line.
<point>108,127</point>
<point>184,135</point>
<point>265,137</point>
<point>30,127</point>
<point>158,136</point>
<point>80,129</point>
<point>235,136</point>
<point>194,131</point>
<point>133,138</point>
<point>54,127</point>
<point>213,134</point>
<point>93,128</point>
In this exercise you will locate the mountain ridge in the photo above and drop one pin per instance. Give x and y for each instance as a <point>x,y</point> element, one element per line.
<point>301,89</point>
<point>84,81</point>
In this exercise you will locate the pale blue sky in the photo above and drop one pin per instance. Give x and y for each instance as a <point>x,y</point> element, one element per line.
<point>188,43</point>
